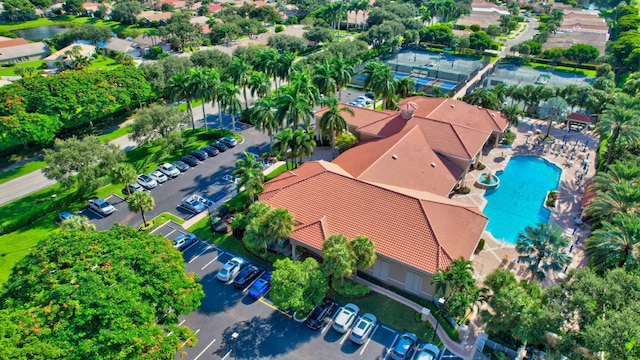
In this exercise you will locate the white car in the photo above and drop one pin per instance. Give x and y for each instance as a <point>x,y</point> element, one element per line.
<point>426,352</point>
<point>363,328</point>
<point>345,318</point>
<point>168,169</point>
<point>147,182</point>
<point>230,269</point>
<point>158,176</point>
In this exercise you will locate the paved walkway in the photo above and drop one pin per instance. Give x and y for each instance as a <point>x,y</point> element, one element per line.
<point>526,34</point>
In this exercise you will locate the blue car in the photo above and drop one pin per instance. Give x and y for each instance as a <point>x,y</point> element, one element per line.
<point>261,286</point>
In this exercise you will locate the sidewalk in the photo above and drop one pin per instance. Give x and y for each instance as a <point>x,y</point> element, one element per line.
<point>465,349</point>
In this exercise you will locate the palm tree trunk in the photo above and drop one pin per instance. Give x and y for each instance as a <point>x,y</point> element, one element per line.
<point>190,110</point>
<point>144,220</point>
<point>204,117</point>
<point>612,145</point>
<point>549,127</point>
<point>233,122</point>
<point>246,103</point>
<point>340,94</point>
<point>333,144</point>
<point>220,114</point>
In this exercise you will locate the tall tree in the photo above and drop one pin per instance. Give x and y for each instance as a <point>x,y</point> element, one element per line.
<point>616,243</point>
<point>323,77</point>
<point>240,71</point>
<point>282,144</point>
<point>339,260</point>
<point>156,122</point>
<point>260,84</point>
<point>457,287</point>
<point>543,248</point>
<point>293,107</point>
<point>124,173</point>
<point>342,72</point>
<point>332,121</point>
<point>303,143</point>
<point>622,197</point>
<point>556,109</point>
<point>249,171</point>
<point>364,251</point>
<point>102,294</point>
<point>618,124</point>
<point>228,94</point>
<point>141,201</point>
<point>180,87</point>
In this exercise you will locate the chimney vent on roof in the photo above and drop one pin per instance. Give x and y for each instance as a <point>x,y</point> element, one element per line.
<point>433,164</point>
<point>394,157</point>
<point>407,109</point>
<point>453,106</point>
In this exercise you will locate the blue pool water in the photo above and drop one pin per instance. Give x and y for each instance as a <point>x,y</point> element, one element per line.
<point>519,199</point>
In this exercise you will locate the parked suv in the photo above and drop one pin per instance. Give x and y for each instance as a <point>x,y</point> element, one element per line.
<point>346,316</point>
<point>320,312</point>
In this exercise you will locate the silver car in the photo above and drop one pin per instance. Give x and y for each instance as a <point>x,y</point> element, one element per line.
<point>426,352</point>
<point>363,328</point>
<point>345,318</point>
<point>147,182</point>
<point>158,176</point>
<point>230,269</point>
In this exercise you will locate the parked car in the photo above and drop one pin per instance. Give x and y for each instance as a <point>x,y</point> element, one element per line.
<point>246,276</point>
<point>158,176</point>
<point>345,318</point>
<point>371,96</point>
<point>65,215</point>
<point>229,141</point>
<point>211,151</point>
<point>183,241</point>
<point>194,203</point>
<point>364,99</point>
<point>101,206</point>
<point>133,187</point>
<point>146,181</point>
<point>218,225</point>
<point>168,169</point>
<point>199,154</point>
<point>181,165</point>
<point>261,286</point>
<point>363,328</point>
<point>231,179</point>
<point>426,352</point>
<point>404,347</point>
<point>321,312</point>
<point>190,160</point>
<point>219,145</point>
<point>230,269</point>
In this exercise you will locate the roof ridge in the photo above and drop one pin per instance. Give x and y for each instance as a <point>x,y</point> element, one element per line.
<point>406,133</point>
<point>386,118</point>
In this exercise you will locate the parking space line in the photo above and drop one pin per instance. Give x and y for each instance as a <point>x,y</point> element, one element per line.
<point>330,322</point>
<point>369,339</point>
<point>185,343</point>
<point>249,287</point>
<point>226,355</point>
<point>182,322</point>
<point>387,328</point>
<point>214,259</point>
<point>274,308</point>
<point>202,252</point>
<point>205,349</point>
<point>346,335</point>
<point>391,347</point>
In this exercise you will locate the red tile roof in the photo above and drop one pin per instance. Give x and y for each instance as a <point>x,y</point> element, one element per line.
<point>424,232</point>
<point>580,117</point>
<point>13,42</point>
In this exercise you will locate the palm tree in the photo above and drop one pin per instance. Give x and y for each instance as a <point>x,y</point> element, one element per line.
<point>426,15</point>
<point>263,116</point>
<point>339,260</point>
<point>322,77</point>
<point>293,108</point>
<point>240,71</point>
<point>283,67</point>
<point>542,248</point>
<point>616,173</point>
<point>482,97</point>
<point>303,143</point>
<point>370,70</point>
<point>511,112</point>
<point>364,251</point>
<point>228,94</point>
<point>180,87</point>
<point>301,84</point>
<point>332,120</point>
<point>384,84</point>
<point>266,61</point>
<point>249,172</point>
<point>204,86</point>
<point>280,224</point>
<point>555,109</point>
<point>618,123</point>
<point>124,173</point>
<point>342,72</point>
<point>457,287</point>
<point>282,143</point>
<point>623,197</point>
<point>616,243</point>
<point>78,223</point>
<point>405,86</point>
<point>259,83</point>
<point>141,201</point>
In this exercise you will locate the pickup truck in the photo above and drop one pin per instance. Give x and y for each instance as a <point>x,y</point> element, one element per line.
<point>100,206</point>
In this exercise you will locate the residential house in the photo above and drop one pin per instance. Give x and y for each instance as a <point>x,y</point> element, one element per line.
<point>580,27</point>
<point>483,13</point>
<point>394,188</point>
<point>62,57</point>
<point>19,50</point>
<point>151,16</point>
<point>144,42</point>
<point>115,45</point>
<point>202,22</point>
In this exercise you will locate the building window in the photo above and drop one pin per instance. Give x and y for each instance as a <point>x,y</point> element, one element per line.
<point>413,282</point>
<point>381,270</point>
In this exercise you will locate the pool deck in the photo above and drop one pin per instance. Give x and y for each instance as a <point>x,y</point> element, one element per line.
<point>577,164</point>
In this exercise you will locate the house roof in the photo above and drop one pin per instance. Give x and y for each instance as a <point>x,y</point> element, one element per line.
<point>85,50</point>
<point>154,15</point>
<point>116,44</point>
<point>12,42</point>
<point>425,232</point>
<point>409,153</point>
<point>484,19</point>
<point>361,116</point>
<point>27,50</point>
<point>579,117</point>
<point>145,40</point>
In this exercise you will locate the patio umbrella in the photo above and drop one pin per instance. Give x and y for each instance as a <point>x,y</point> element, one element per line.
<point>584,167</point>
<point>577,240</point>
<point>564,138</point>
<point>575,145</point>
<point>574,230</point>
<point>570,249</point>
<point>588,154</point>
<point>585,145</point>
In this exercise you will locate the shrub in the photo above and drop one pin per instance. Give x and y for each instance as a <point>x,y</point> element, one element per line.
<point>463,190</point>
<point>462,27</point>
<point>481,166</point>
<point>279,28</point>
<point>148,227</point>
<point>475,27</point>
<point>350,288</point>
<point>480,247</point>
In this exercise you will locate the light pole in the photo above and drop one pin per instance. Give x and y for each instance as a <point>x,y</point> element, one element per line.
<point>234,337</point>
<point>53,203</point>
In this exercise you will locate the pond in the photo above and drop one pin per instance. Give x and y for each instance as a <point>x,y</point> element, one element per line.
<point>41,32</point>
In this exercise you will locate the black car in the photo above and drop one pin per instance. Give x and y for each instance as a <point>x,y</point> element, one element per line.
<point>211,151</point>
<point>320,312</point>
<point>199,154</point>
<point>181,165</point>
<point>189,160</point>
<point>220,146</point>
<point>246,276</point>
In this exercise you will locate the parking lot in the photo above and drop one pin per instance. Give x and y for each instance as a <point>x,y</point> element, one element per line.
<point>263,331</point>
<point>204,179</point>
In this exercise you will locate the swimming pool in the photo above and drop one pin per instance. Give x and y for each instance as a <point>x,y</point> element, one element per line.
<point>519,200</point>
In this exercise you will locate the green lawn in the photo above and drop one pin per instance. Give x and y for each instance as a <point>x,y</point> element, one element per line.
<point>102,62</point>
<point>116,133</point>
<point>21,170</point>
<point>583,72</point>
<point>9,71</point>
<point>63,20</point>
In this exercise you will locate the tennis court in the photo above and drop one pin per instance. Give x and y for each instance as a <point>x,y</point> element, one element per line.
<point>521,75</point>
<point>422,83</point>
